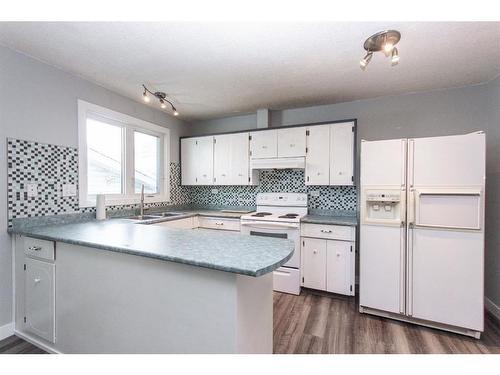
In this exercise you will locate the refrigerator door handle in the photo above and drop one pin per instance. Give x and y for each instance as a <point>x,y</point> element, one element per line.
<point>409,273</point>
<point>402,272</point>
<point>411,208</point>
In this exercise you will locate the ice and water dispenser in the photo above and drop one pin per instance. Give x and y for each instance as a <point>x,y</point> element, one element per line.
<point>383,206</point>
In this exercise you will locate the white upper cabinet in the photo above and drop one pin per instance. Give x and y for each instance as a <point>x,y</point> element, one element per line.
<point>264,144</point>
<point>197,157</point>
<point>318,155</point>
<point>342,154</point>
<point>188,161</point>
<point>231,159</point>
<point>291,142</point>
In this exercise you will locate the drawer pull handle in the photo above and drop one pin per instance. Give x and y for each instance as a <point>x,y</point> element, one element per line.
<point>37,280</point>
<point>34,248</point>
<point>315,251</point>
<point>326,231</point>
<point>219,223</point>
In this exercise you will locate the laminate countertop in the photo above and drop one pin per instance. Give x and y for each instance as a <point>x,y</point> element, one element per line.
<point>331,217</point>
<point>224,251</point>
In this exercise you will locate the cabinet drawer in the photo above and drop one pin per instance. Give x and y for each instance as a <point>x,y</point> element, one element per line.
<point>287,280</point>
<point>186,223</point>
<point>218,223</point>
<point>40,249</point>
<point>334,232</point>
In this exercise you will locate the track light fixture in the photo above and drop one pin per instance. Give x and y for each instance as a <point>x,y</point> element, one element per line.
<point>162,98</point>
<point>383,41</point>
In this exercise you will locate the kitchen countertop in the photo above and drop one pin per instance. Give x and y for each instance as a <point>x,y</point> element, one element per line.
<point>230,252</point>
<point>331,217</point>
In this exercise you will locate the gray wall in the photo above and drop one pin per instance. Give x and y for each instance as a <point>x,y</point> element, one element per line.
<point>454,111</point>
<point>39,102</point>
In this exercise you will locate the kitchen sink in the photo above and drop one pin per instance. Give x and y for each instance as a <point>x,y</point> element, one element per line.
<point>144,217</point>
<point>169,214</point>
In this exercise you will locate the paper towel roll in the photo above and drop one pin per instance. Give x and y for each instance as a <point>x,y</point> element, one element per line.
<point>100,207</point>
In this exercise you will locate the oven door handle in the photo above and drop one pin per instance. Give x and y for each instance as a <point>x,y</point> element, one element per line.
<point>263,225</point>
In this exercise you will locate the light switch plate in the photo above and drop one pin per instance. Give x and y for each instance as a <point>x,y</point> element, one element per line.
<point>68,190</point>
<point>215,191</point>
<point>314,193</point>
<point>32,189</point>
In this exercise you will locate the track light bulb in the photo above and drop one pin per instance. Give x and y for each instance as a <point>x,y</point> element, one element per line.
<point>175,112</point>
<point>145,96</point>
<point>394,57</point>
<point>365,60</point>
<point>388,48</point>
<point>162,104</point>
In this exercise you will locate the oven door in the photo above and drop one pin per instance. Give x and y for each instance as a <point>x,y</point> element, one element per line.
<point>289,231</point>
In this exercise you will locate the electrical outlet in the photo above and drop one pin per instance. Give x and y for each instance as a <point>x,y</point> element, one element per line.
<point>314,193</point>
<point>68,190</point>
<point>32,189</point>
<point>215,191</point>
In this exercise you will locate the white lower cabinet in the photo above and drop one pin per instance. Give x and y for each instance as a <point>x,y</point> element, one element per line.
<point>328,263</point>
<point>39,310</point>
<point>338,266</point>
<point>314,263</point>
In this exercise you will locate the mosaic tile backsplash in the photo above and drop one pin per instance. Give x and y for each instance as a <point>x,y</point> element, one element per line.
<point>51,166</point>
<point>277,181</point>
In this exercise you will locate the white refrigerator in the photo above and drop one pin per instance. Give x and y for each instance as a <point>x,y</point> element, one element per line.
<point>422,231</point>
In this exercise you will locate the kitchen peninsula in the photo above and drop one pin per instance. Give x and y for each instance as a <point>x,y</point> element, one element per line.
<point>120,287</point>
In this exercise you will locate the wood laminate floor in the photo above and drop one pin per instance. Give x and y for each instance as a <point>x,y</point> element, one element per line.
<point>317,322</point>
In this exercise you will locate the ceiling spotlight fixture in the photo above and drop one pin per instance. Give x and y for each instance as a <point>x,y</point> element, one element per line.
<point>162,98</point>
<point>383,41</point>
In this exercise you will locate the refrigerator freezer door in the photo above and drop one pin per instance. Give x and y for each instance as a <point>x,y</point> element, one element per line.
<point>446,280</point>
<point>382,267</point>
<point>383,163</point>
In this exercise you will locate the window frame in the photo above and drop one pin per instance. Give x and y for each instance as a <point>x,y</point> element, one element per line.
<point>130,125</point>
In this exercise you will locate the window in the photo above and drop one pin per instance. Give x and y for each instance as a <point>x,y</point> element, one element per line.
<point>118,154</point>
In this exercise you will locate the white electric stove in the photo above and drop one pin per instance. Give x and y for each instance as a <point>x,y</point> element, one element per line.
<point>278,215</point>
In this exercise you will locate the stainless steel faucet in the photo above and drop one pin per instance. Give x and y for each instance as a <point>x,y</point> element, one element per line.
<point>141,213</point>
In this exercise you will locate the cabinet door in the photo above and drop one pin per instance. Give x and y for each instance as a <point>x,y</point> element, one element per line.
<point>231,159</point>
<point>264,144</point>
<point>188,161</point>
<point>222,159</point>
<point>338,267</point>
<point>205,160</point>
<point>291,142</point>
<point>342,154</point>
<point>318,155</point>
<point>39,293</point>
<point>240,159</point>
<point>314,263</point>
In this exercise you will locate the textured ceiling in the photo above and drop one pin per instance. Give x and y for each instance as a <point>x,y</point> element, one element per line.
<point>217,69</point>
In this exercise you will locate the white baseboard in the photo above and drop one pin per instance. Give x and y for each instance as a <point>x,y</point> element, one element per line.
<point>492,308</point>
<point>6,330</point>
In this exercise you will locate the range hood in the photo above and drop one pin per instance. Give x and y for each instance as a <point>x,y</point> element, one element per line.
<point>278,163</point>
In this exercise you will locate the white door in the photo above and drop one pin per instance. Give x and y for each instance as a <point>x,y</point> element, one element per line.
<point>222,159</point>
<point>383,163</point>
<point>264,144</point>
<point>450,161</point>
<point>446,256</point>
<point>342,154</point>
<point>239,155</point>
<point>205,160</point>
<point>382,268</point>
<point>446,278</point>
<point>39,293</point>
<point>188,161</point>
<point>338,267</point>
<point>318,155</point>
<point>314,263</point>
<point>292,142</point>
<point>382,247</point>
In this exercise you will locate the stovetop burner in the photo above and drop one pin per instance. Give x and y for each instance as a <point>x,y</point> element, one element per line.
<point>288,216</point>
<point>261,214</point>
